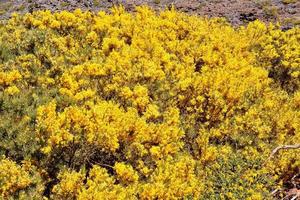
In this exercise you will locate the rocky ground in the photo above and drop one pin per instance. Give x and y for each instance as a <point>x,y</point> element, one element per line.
<point>238,12</point>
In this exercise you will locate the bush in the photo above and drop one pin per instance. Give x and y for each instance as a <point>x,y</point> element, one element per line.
<point>147,106</point>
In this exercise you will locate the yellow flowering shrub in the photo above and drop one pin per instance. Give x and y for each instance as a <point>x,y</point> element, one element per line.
<point>17,181</point>
<point>125,173</point>
<point>69,186</point>
<point>174,178</point>
<point>146,105</point>
<point>13,178</point>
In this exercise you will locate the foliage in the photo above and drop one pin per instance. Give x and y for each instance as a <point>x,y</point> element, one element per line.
<point>146,106</point>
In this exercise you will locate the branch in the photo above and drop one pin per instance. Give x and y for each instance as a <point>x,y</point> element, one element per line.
<point>295,197</point>
<point>295,146</point>
<point>275,191</point>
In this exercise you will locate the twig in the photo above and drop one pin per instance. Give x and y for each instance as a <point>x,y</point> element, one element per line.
<point>296,146</point>
<point>293,180</point>
<point>274,192</point>
<point>295,197</point>
<point>103,165</point>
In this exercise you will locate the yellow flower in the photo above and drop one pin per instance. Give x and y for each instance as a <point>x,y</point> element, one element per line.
<point>126,173</point>
<point>12,90</point>
<point>55,24</point>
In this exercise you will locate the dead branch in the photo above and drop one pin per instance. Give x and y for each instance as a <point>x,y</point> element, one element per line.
<point>275,191</point>
<point>295,146</point>
<point>295,197</point>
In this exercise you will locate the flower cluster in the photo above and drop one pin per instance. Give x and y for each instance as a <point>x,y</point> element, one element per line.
<point>17,181</point>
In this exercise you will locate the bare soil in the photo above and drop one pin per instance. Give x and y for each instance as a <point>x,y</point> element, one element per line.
<point>237,12</point>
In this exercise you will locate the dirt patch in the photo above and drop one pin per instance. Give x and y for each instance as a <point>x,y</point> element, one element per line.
<point>237,12</point>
